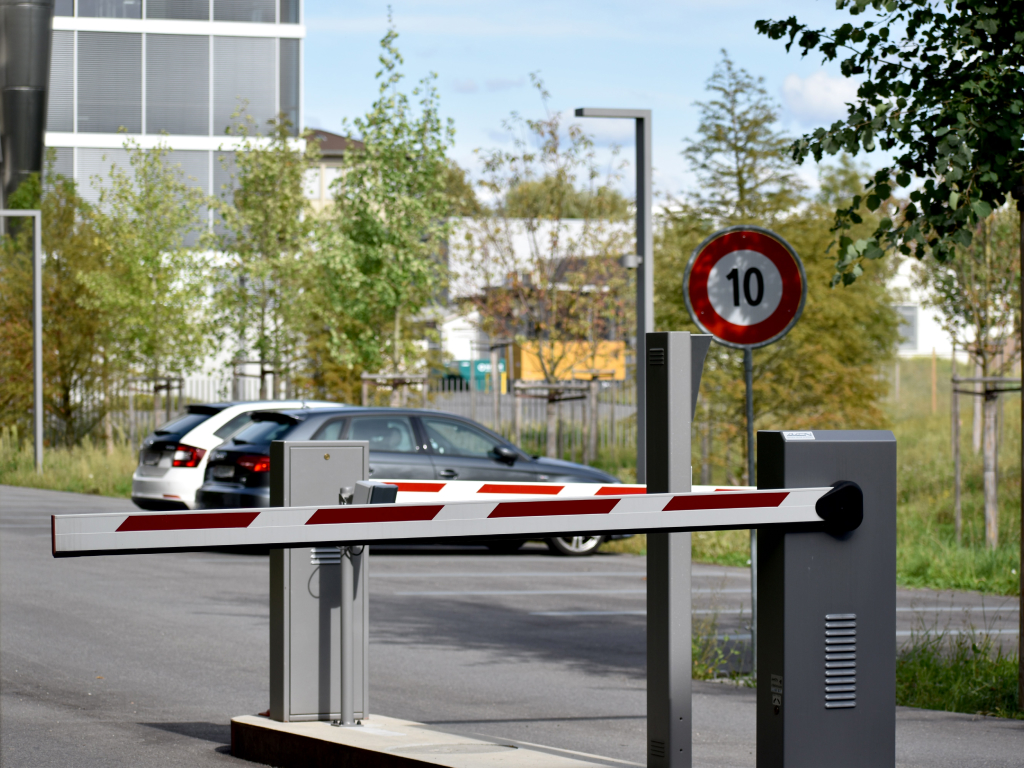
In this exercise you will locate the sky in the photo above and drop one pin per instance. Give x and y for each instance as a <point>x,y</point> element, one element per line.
<point>599,53</point>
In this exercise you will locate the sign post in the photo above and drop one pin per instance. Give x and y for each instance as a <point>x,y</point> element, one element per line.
<point>746,287</point>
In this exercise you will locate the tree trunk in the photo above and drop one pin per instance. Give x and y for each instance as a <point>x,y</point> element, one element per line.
<point>551,449</point>
<point>991,496</point>
<point>978,418</point>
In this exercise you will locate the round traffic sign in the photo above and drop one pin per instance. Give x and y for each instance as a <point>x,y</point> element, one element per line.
<point>745,286</point>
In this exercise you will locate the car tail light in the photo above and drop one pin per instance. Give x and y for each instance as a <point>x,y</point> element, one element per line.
<point>255,463</point>
<point>187,456</point>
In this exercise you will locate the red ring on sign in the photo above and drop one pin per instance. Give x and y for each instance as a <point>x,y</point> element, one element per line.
<point>704,313</point>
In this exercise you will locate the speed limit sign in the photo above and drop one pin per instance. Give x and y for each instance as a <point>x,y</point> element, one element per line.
<point>745,286</point>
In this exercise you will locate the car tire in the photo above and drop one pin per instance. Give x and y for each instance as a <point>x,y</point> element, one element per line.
<point>575,546</point>
<point>505,547</point>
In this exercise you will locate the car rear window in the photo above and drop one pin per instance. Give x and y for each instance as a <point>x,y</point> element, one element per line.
<point>185,424</point>
<point>263,432</point>
<point>234,425</point>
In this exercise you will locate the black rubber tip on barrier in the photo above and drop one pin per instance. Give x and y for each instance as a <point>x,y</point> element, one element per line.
<point>842,508</point>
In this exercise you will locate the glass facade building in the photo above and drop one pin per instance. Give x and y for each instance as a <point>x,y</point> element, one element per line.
<point>175,72</point>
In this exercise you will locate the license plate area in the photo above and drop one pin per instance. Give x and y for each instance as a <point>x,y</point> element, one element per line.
<point>223,472</point>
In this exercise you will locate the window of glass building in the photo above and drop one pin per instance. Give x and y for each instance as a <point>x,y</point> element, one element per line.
<point>191,10</point>
<point>289,96</point>
<point>111,9</point>
<point>289,11</point>
<point>259,11</point>
<point>178,84</point>
<point>109,82</point>
<point>243,77</point>
<point>60,107</point>
<point>64,8</point>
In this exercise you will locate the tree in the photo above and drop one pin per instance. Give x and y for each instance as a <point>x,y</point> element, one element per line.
<point>267,227</point>
<point>943,82</point>
<point>381,256</point>
<point>947,92</point>
<point>826,372</point>
<point>543,267</point>
<point>76,361</point>
<point>977,295</point>
<point>152,281</point>
<point>740,158</point>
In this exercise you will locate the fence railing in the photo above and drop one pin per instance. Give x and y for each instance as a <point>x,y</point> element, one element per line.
<point>583,419</point>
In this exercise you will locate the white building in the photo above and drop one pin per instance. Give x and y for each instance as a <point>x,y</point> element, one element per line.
<point>175,67</point>
<point>920,326</point>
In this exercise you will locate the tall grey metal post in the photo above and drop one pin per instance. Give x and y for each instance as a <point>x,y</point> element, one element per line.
<point>748,377</point>
<point>319,607</point>
<point>826,652</point>
<point>37,326</point>
<point>674,364</point>
<point>645,266</point>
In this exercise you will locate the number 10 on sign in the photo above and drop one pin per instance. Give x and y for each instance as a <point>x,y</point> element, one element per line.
<point>746,287</point>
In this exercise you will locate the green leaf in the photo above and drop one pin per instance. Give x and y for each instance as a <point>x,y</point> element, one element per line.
<point>981,209</point>
<point>954,199</point>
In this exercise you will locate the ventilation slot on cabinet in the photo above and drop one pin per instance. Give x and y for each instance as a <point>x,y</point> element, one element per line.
<point>656,356</point>
<point>324,556</point>
<point>840,660</point>
<point>657,748</point>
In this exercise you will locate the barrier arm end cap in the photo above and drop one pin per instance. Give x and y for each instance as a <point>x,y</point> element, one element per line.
<point>842,508</point>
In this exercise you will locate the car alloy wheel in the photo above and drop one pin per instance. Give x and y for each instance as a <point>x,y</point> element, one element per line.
<point>575,546</point>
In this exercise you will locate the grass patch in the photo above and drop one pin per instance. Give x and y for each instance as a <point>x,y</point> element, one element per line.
<point>958,673</point>
<point>83,469</point>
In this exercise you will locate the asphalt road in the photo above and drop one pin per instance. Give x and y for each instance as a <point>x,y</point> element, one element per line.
<point>142,660</point>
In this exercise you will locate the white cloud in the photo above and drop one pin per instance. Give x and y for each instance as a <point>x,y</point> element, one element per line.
<point>504,83</point>
<point>466,86</point>
<point>819,98</point>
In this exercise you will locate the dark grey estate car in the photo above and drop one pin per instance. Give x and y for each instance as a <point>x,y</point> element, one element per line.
<point>405,444</point>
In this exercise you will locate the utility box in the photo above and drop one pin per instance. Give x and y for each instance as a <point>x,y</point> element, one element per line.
<point>826,624</point>
<point>306,676</point>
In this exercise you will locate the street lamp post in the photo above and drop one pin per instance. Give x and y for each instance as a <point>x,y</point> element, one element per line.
<point>669,654</point>
<point>37,325</point>
<point>645,266</point>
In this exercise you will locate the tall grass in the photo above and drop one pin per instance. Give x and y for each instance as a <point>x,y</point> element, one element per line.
<point>958,673</point>
<point>86,468</point>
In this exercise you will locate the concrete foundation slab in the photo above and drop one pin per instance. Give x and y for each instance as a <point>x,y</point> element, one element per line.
<point>385,742</point>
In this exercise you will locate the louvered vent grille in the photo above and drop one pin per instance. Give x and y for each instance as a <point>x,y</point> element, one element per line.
<point>178,84</point>
<point>324,556</point>
<point>840,660</point>
<point>259,11</point>
<point>196,10</point>
<point>109,82</point>
<point>93,171</point>
<point>243,69</point>
<point>656,356</point>
<point>60,109</point>
<point>289,95</point>
<point>656,748</point>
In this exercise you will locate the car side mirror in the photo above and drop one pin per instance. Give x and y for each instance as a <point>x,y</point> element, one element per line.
<point>505,454</point>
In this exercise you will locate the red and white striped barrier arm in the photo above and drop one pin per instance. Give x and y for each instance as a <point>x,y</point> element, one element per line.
<point>121,533</point>
<point>465,490</point>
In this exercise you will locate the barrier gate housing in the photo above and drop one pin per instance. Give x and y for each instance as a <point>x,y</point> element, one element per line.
<point>826,513</point>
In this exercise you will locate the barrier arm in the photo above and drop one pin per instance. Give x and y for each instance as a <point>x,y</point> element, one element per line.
<point>839,507</point>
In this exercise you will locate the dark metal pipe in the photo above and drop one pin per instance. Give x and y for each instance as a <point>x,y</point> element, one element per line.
<point>26,33</point>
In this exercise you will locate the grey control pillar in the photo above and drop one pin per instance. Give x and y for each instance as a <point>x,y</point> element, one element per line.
<point>311,616</point>
<point>675,362</point>
<point>826,647</point>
